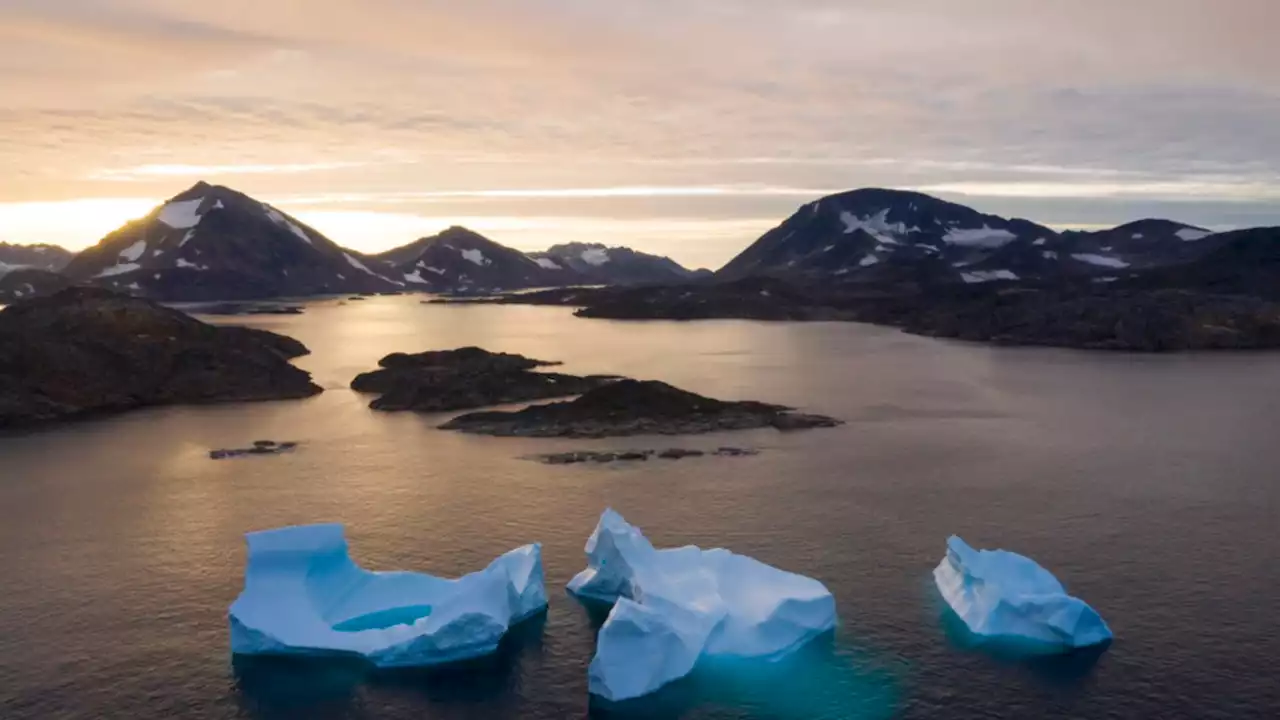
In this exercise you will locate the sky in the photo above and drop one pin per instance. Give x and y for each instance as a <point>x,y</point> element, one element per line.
<point>682,127</point>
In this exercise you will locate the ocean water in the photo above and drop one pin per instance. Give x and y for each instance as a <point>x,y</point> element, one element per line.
<point>1147,484</point>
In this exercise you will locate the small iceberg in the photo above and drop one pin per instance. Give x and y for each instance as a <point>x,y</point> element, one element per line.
<point>1004,597</point>
<point>303,595</point>
<point>673,607</point>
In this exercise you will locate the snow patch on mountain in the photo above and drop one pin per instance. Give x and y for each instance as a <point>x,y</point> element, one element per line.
<point>476,257</point>
<point>1191,234</point>
<point>415,277</point>
<point>983,237</point>
<point>181,214</point>
<point>278,218</point>
<point>868,261</point>
<point>981,276</point>
<point>877,226</point>
<point>1100,260</point>
<point>595,256</point>
<point>1040,242</point>
<point>184,263</point>
<point>134,251</point>
<point>549,264</point>
<point>357,264</point>
<point>1050,255</point>
<point>120,269</point>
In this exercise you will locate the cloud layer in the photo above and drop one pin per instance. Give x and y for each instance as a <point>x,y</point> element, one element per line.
<point>1074,112</point>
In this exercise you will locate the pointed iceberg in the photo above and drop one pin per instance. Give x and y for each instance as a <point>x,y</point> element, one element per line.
<point>1005,597</point>
<point>673,607</point>
<point>303,595</point>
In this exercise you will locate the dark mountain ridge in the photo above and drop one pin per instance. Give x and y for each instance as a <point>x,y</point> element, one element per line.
<point>599,264</point>
<point>213,243</point>
<point>460,259</point>
<point>51,258</point>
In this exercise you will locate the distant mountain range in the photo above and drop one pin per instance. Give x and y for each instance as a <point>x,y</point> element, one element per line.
<point>40,257</point>
<point>600,265</point>
<point>213,243</point>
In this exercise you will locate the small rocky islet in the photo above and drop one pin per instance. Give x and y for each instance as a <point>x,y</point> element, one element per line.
<point>606,406</point>
<point>259,447</point>
<point>465,379</point>
<point>636,407</point>
<point>575,457</point>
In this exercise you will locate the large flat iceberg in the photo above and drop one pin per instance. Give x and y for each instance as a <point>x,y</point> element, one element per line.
<point>303,595</point>
<point>675,606</point>
<point>1003,596</point>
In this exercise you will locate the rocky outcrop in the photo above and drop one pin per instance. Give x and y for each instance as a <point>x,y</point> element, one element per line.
<point>591,456</point>
<point>86,351</point>
<point>634,407</point>
<point>463,379</point>
<point>259,447</point>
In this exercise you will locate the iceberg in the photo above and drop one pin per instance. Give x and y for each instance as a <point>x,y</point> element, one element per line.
<point>303,595</point>
<point>673,607</point>
<point>1005,597</point>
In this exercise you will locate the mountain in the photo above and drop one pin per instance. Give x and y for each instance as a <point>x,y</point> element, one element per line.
<point>1241,262</point>
<point>601,265</point>
<point>459,259</point>
<point>30,282</point>
<point>40,257</point>
<point>895,236</point>
<point>213,243</point>
<point>878,234</point>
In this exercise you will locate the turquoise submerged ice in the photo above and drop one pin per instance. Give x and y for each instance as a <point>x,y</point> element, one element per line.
<point>1004,596</point>
<point>303,595</point>
<point>675,606</point>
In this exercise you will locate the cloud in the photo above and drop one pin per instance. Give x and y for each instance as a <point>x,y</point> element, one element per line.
<point>1136,101</point>
<point>143,172</point>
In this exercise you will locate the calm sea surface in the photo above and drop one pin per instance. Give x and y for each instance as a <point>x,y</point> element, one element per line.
<point>1149,485</point>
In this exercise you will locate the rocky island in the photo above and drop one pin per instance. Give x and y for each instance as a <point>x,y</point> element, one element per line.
<point>85,351</point>
<point>464,379</point>
<point>1133,315</point>
<point>635,407</point>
